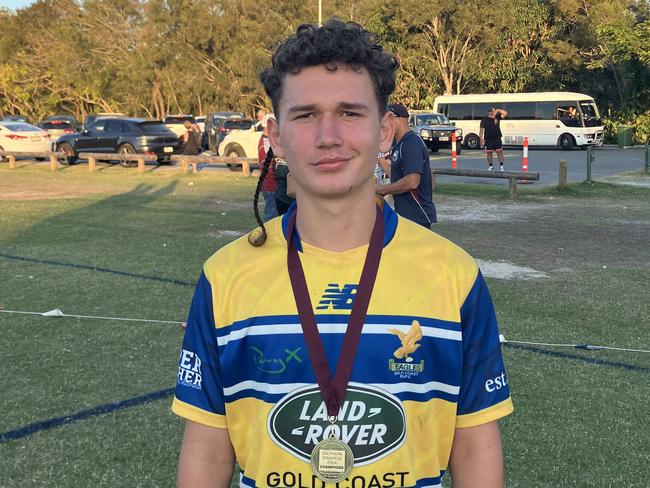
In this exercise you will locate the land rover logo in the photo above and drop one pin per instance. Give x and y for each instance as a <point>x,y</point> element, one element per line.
<point>371,422</point>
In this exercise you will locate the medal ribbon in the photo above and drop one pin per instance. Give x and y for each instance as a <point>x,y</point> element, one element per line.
<point>333,391</point>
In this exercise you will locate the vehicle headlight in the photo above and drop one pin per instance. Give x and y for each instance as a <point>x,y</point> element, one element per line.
<point>425,134</point>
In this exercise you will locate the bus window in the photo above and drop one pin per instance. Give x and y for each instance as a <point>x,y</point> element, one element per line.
<point>520,110</point>
<point>546,111</point>
<point>460,111</point>
<point>443,108</point>
<point>567,113</point>
<point>481,110</point>
<point>590,114</point>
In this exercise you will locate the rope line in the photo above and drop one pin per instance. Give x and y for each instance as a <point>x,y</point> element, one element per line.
<point>61,314</point>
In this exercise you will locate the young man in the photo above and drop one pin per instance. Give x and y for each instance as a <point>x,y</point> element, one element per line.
<point>410,172</point>
<point>354,346</point>
<point>491,135</point>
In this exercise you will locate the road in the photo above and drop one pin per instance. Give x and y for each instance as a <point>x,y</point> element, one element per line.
<point>609,160</point>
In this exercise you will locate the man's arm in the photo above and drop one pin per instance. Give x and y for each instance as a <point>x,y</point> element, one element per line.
<point>407,183</point>
<point>503,112</point>
<point>384,163</point>
<point>477,457</point>
<point>207,458</point>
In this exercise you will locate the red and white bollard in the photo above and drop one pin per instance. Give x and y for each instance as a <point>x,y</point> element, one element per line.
<point>524,163</point>
<point>454,161</point>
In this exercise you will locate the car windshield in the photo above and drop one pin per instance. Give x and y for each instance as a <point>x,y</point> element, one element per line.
<point>431,119</point>
<point>57,124</point>
<point>18,127</point>
<point>154,128</point>
<point>179,119</point>
<point>237,124</point>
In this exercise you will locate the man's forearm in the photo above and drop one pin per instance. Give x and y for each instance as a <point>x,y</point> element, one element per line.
<point>207,459</point>
<point>408,183</point>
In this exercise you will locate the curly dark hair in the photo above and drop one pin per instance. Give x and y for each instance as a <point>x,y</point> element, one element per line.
<point>330,44</point>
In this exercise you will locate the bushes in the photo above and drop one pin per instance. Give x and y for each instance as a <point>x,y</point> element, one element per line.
<point>640,122</point>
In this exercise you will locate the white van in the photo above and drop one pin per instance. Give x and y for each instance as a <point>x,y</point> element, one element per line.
<point>545,118</point>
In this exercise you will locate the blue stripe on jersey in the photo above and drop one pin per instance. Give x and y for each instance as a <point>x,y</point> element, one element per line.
<point>390,224</point>
<point>483,381</point>
<point>389,320</point>
<point>199,371</point>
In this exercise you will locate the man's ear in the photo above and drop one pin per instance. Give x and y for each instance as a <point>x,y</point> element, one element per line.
<point>386,131</point>
<point>274,137</point>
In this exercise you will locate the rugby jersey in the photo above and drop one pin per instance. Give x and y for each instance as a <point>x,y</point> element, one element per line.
<point>429,358</point>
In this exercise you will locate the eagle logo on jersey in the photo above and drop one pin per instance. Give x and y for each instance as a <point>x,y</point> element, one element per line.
<point>409,341</point>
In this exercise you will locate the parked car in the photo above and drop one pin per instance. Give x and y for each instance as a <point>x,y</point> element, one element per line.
<point>213,122</point>
<point>175,123</point>
<point>241,143</point>
<point>70,119</point>
<point>121,135</point>
<point>230,125</point>
<point>90,119</point>
<point>57,128</point>
<point>435,130</point>
<point>22,137</point>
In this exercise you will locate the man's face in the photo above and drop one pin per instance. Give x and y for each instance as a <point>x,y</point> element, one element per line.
<point>329,131</point>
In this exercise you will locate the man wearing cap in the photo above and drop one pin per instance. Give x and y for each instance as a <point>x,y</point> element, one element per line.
<point>410,172</point>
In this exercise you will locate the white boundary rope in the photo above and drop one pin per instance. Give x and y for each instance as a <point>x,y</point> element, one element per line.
<point>58,313</point>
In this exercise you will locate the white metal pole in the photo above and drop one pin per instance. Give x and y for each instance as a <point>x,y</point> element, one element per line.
<point>320,12</point>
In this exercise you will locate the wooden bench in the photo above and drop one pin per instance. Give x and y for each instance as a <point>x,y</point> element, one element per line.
<point>123,158</point>
<point>245,163</point>
<point>512,176</point>
<point>52,156</point>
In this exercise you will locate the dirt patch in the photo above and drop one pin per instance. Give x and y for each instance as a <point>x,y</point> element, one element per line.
<point>464,210</point>
<point>508,271</point>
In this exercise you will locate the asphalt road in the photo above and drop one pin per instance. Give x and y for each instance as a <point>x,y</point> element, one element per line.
<point>609,161</point>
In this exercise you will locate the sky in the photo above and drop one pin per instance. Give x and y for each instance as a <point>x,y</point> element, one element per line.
<point>15,4</point>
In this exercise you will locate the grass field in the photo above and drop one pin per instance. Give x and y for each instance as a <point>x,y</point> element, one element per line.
<point>119,244</point>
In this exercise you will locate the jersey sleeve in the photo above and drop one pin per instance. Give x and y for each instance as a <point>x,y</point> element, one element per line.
<point>484,392</point>
<point>199,387</point>
<point>412,157</point>
<point>482,124</point>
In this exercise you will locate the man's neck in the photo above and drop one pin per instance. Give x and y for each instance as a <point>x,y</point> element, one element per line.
<point>399,133</point>
<point>336,224</point>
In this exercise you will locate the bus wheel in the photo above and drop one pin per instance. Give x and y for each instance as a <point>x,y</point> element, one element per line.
<point>566,142</point>
<point>472,141</point>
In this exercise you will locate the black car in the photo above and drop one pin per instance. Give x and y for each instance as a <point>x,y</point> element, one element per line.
<point>213,123</point>
<point>123,135</point>
<point>435,130</point>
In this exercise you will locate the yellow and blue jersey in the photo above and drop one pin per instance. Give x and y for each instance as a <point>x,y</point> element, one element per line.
<point>429,359</point>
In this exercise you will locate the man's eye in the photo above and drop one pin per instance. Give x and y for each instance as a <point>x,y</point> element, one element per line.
<point>305,115</point>
<point>351,114</point>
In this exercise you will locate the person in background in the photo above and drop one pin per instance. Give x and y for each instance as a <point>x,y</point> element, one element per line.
<point>270,182</point>
<point>190,143</point>
<point>491,135</point>
<point>410,172</point>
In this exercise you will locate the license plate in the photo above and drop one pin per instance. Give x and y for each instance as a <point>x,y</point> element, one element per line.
<point>36,139</point>
<point>444,138</point>
<point>168,149</point>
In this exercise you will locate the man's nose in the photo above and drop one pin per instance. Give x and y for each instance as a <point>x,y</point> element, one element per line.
<point>329,131</point>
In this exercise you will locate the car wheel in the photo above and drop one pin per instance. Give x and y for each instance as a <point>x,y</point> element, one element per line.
<point>127,149</point>
<point>472,141</point>
<point>566,142</point>
<point>68,150</point>
<point>234,151</point>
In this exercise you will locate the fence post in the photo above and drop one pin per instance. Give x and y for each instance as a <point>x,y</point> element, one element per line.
<point>12,161</point>
<point>512,188</point>
<point>590,159</point>
<point>141,165</point>
<point>184,165</point>
<point>246,168</point>
<point>91,163</point>
<point>562,181</point>
<point>54,162</point>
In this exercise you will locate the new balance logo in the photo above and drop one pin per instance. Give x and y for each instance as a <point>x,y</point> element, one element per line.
<point>338,298</point>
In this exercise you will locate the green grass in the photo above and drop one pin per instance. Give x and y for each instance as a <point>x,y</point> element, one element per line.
<point>576,424</point>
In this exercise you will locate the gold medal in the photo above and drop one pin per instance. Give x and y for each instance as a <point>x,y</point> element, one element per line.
<point>332,460</point>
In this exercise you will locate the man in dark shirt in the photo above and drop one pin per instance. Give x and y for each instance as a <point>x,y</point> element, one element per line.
<point>410,172</point>
<point>491,135</point>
